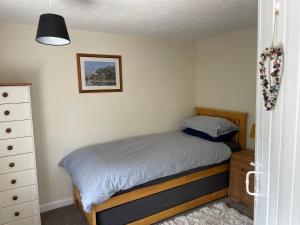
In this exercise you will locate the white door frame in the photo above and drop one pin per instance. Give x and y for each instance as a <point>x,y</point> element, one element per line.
<point>278,132</point>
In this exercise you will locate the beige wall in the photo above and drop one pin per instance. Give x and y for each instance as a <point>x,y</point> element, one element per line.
<point>159,91</point>
<point>226,68</point>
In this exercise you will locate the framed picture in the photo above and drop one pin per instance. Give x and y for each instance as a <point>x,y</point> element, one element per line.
<point>99,73</point>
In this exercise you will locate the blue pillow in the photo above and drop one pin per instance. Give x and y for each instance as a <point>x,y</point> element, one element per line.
<point>234,146</point>
<point>220,138</point>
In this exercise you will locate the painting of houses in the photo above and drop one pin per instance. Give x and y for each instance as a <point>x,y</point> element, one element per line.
<point>99,73</point>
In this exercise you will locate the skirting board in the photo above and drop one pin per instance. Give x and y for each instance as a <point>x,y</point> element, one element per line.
<point>56,204</point>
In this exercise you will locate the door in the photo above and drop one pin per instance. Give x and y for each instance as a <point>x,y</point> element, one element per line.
<point>277,180</point>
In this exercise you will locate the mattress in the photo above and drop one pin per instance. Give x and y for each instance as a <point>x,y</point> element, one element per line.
<point>102,170</point>
<point>155,203</point>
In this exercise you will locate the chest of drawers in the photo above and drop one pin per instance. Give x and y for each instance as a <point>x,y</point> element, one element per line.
<point>19,202</point>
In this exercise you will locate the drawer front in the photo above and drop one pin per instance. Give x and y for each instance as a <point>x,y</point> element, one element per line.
<point>16,146</point>
<point>17,196</point>
<point>29,221</point>
<point>17,180</point>
<point>16,163</point>
<point>18,212</point>
<point>10,112</point>
<point>237,188</point>
<point>15,129</point>
<point>14,95</point>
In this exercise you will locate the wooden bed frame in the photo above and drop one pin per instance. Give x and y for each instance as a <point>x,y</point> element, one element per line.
<point>238,118</point>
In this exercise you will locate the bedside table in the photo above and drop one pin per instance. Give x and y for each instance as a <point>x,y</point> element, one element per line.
<point>239,166</point>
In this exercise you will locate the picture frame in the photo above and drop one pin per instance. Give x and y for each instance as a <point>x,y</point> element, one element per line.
<point>99,73</point>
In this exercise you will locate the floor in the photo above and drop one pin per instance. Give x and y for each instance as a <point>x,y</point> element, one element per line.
<point>70,215</point>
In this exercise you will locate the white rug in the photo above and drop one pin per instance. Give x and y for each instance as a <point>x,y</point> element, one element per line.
<point>217,214</point>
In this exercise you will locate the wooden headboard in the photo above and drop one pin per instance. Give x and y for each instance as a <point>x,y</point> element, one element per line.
<point>239,118</point>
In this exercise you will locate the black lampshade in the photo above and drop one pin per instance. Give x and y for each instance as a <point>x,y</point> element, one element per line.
<point>52,30</point>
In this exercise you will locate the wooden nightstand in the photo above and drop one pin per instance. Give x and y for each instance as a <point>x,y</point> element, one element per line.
<point>239,166</point>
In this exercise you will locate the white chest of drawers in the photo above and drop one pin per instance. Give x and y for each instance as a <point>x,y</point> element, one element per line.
<point>19,202</point>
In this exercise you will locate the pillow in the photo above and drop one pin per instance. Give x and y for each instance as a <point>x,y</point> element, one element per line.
<point>213,126</point>
<point>221,138</point>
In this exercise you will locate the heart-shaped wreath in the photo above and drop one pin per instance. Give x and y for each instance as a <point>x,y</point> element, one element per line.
<point>271,82</point>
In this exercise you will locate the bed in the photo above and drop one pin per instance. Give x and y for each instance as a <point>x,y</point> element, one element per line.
<point>166,196</point>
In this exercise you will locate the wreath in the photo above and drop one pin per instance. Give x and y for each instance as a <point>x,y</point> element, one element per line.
<point>270,82</point>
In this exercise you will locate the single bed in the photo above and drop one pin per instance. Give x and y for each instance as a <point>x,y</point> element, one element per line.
<point>168,195</point>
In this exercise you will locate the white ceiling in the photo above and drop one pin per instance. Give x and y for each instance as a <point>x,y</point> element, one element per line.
<point>184,19</point>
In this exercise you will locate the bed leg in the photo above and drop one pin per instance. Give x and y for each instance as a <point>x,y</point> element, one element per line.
<point>75,197</point>
<point>90,217</point>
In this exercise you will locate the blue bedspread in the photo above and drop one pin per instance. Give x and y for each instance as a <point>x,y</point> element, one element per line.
<point>101,170</point>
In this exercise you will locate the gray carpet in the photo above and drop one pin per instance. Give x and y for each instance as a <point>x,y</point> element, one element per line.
<point>70,215</point>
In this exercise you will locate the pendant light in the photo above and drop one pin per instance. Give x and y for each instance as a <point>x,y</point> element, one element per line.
<point>52,30</point>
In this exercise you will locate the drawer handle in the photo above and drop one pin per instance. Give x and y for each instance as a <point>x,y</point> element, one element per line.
<point>12,165</point>
<point>8,130</point>
<point>6,112</point>
<point>243,170</point>
<point>15,198</point>
<point>13,181</point>
<point>247,182</point>
<point>17,213</point>
<point>4,94</point>
<point>10,147</point>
